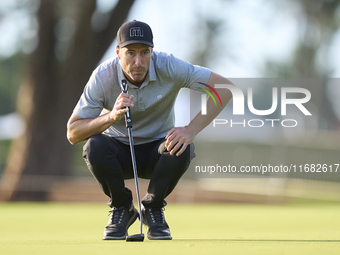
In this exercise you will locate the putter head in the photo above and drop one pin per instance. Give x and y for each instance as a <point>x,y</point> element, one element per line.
<point>135,238</point>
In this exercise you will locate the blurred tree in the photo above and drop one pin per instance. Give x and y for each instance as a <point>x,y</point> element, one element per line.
<point>208,30</point>
<point>10,75</point>
<point>72,38</point>
<point>318,23</point>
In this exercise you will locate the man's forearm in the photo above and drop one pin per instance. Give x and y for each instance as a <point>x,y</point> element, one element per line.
<point>199,122</point>
<point>81,129</point>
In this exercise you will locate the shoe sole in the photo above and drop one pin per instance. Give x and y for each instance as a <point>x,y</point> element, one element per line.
<point>114,237</point>
<point>150,237</point>
<point>130,222</point>
<point>159,237</point>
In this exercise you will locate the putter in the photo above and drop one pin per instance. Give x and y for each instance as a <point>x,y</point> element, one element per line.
<point>128,121</point>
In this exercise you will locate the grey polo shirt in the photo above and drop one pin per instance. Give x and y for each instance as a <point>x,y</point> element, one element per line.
<point>153,111</point>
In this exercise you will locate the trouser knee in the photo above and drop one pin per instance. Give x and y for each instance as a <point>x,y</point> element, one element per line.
<point>183,160</point>
<point>96,149</point>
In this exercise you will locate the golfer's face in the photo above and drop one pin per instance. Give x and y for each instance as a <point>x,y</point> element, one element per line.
<point>135,62</point>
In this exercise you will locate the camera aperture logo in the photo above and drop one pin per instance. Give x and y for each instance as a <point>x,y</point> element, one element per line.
<point>205,99</point>
<point>238,105</point>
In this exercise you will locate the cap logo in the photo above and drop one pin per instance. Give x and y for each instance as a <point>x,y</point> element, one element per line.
<point>136,32</point>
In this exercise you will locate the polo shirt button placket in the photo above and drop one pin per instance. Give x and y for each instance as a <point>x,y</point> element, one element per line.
<point>141,105</point>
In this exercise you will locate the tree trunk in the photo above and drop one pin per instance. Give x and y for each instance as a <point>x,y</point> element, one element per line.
<point>48,95</point>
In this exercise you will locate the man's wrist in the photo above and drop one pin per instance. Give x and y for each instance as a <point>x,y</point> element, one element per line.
<point>192,130</point>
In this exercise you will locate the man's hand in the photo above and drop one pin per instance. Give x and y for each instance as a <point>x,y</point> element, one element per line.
<point>120,107</point>
<point>178,139</point>
<point>79,129</point>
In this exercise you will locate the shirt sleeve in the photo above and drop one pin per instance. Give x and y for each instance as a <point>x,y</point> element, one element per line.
<point>91,102</point>
<point>189,75</point>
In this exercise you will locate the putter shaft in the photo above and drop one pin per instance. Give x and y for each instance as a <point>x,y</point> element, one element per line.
<point>136,178</point>
<point>128,122</point>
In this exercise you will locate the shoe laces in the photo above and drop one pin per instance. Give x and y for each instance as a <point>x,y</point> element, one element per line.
<point>157,215</point>
<point>117,215</point>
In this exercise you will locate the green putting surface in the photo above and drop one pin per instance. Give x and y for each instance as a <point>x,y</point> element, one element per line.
<point>53,228</point>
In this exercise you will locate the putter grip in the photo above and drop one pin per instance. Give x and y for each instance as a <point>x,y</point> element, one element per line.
<point>128,120</point>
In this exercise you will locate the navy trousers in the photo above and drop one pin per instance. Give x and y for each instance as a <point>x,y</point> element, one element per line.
<point>110,163</point>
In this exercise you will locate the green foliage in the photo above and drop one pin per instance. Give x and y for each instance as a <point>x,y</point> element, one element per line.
<point>11,74</point>
<point>4,148</point>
